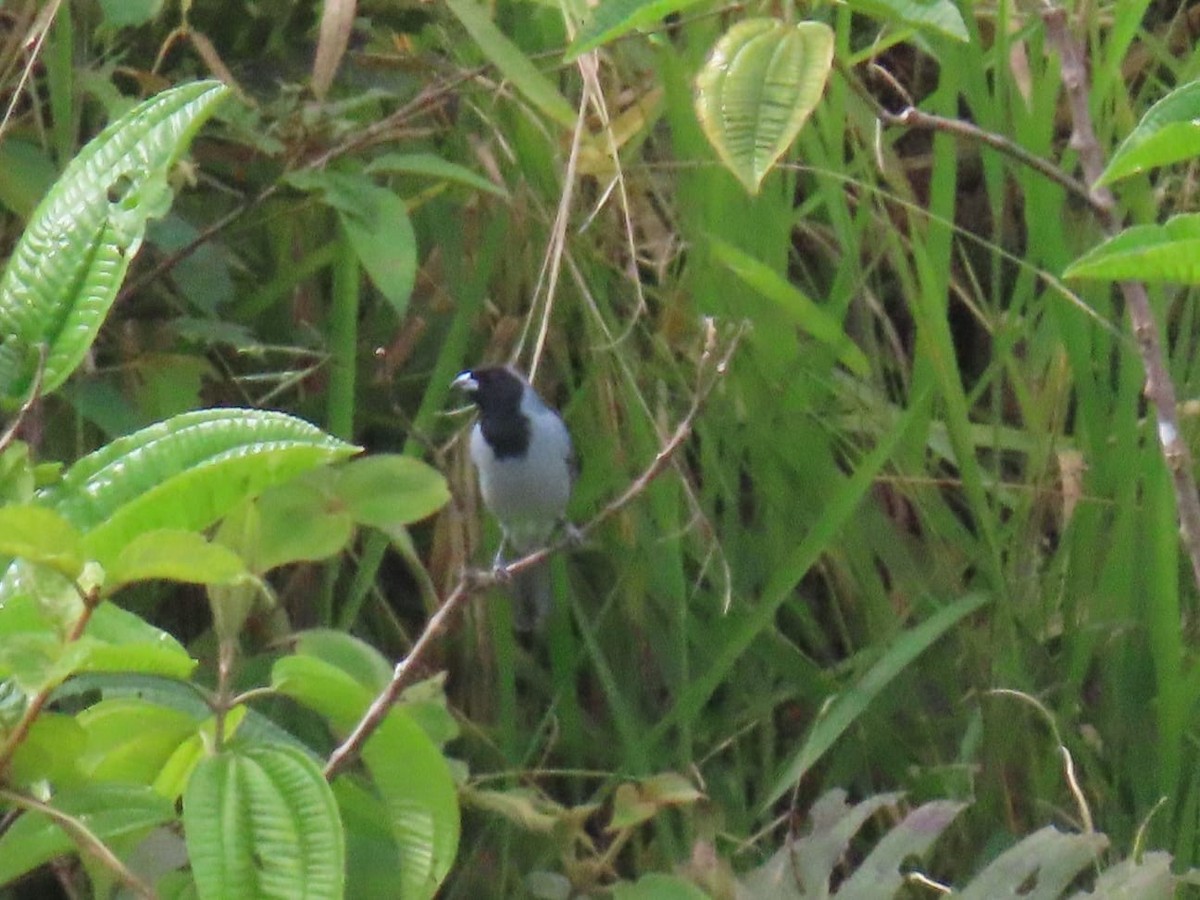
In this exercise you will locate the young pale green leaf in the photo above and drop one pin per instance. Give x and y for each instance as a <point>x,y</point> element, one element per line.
<point>130,739</point>
<point>33,650</point>
<point>185,473</point>
<point>1167,252</point>
<point>847,707</point>
<point>65,271</point>
<point>803,311</point>
<point>111,811</point>
<point>40,535</point>
<point>175,555</point>
<point>421,797</point>
<point>1169,132</point>
<point>49,753</point>
<point>939,16</point>
<point>431,166</point>
<point>389,491</point>
<point>354,657</point>
<point>759,85</point>
<point>300,521</point>
<point>262,821</point>
<point>612,18</point>
<point>512,62</point>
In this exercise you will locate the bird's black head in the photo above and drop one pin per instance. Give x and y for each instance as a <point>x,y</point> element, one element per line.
<point>497,391</point>
<point>494,389</point>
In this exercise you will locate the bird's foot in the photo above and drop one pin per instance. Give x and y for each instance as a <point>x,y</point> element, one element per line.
<point>571,533</point>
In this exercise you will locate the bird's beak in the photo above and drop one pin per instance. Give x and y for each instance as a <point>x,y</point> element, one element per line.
<point>465,382</point>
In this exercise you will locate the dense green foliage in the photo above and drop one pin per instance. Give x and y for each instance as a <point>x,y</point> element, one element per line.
<point>920,535</point>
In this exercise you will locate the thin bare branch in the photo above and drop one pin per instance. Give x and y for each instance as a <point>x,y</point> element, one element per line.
<point>711,369</point>
<point>1159,389</point>
<point>84,837</point>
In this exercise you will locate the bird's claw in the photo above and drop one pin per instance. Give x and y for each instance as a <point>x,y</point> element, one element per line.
<point>571,533</point>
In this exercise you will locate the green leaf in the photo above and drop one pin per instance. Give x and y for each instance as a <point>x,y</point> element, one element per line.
<point>1048,855</point>
<point>512,62</point>
<point>184,473</point>
<point>130,739</point>
<point>1167,252</point>
<point>49,753</point>
<point>300,521</point>
<point>261,821</point>
<point>129,13</point>
<point>757,88</point>
<point>940,16</point>
<point>433,167</point>
<point>389,492</point>
<point>111,811</point>
<point>421,797</point>
<point>640,801</point>
<point>377,224</point>
<point>175,555</point>
<point>793,301</point>
<point>354,657</point>
<point>69,263</point>
<point>40,535</point>
<point>1169,132</point>
<point>612,18</point>
<point>34,651</point>
<point>846,708</point>
<point>657,886</point>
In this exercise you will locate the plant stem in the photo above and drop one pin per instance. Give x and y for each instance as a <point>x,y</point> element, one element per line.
<point>1159,389</point>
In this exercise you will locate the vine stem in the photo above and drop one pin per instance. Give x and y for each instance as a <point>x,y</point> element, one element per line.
<point>711,369</point>
<point>1158,387</point>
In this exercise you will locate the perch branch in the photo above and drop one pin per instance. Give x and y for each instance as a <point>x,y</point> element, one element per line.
<point>1159,388</point>
<point>711,369</point>
<point>84,838</point>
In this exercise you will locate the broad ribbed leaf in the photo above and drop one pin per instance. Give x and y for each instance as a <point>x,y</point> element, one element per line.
<point>420,795</point>
<point>941,16</point>
<point>110,811</point>
<point>1169,132</point>
<point>757,88</point>
<point>1167,252</point>
<point>184,473</point>
<point>65,271</point>
<point>262,822</point>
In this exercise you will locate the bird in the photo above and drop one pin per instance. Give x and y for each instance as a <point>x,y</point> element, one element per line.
<point>525,460</point>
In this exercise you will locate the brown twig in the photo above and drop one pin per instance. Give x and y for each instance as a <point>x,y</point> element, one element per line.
<point>711,370</point>
<point>84,838</point>
<point>35,389</point>
<point>91,599</point>
<point>1159,388</point>
<point>912,117</point>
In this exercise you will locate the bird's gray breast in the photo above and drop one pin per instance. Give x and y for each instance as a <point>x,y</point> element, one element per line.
<point>527,493</point>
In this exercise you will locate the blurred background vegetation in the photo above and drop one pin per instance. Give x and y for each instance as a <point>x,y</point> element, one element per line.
<point>363,225</point>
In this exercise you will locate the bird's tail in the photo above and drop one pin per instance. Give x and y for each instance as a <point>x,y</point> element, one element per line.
<point>532,598</point>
